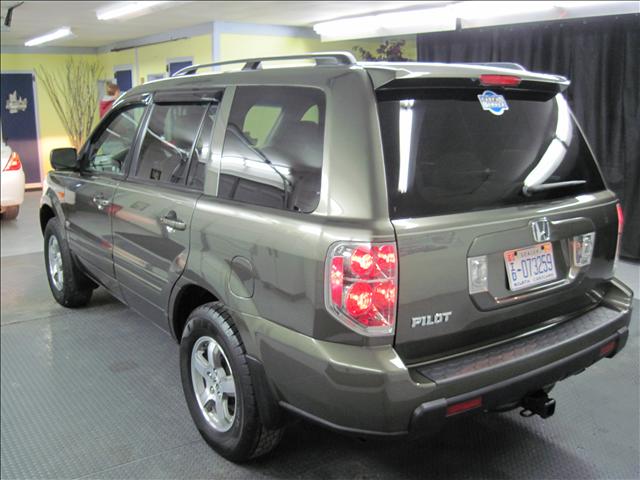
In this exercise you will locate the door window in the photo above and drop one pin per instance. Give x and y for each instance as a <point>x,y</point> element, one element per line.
<point>168,141</point>
<point>110,149</point>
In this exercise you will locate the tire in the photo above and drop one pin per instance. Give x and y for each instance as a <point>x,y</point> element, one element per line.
<point>11,213</point>
<point>243,436</point>
<point>72,288</point>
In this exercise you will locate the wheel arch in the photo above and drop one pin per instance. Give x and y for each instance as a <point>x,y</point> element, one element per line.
<point>50,207</point>
<point>46,214</point>
<point>185,298</point>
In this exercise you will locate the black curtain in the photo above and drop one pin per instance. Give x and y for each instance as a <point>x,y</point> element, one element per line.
<point>601,57</point>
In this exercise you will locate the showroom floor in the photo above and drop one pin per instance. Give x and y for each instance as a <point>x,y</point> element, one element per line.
<point>96,393</point>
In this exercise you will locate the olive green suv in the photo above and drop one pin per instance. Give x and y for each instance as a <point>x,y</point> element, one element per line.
<point>375,247</point>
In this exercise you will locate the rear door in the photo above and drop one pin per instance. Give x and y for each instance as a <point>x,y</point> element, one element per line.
<point>490,191</point>
<point>154,206</point>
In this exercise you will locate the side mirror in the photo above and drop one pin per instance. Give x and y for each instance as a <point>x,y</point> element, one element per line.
<point>64,159</point>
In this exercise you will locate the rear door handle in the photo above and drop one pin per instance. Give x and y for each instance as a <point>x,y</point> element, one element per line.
<point>171,220</point>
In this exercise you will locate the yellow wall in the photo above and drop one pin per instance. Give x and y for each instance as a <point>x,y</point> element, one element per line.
<point>246,46</point>
<point>110,60</point>
<point>52,133</point>
<point>234,45</point>
<point>153,59</point>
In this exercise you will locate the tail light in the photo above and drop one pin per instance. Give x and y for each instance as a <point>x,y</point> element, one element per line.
<point>499,80</point>
<point>620,219</point>
<point>620,229</point>
<point>361,286</point>
<point>13,164</point>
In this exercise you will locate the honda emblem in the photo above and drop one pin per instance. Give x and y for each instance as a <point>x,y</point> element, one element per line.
<point>541,230</point>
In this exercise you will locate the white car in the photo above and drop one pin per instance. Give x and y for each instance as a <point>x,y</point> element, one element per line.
<point>12,188</point>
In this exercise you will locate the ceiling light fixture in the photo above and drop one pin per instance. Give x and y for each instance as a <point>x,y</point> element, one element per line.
<point>49,37</point>
<point>125,8</point>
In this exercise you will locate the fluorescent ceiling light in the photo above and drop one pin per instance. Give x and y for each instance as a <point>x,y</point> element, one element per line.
<point>49,37</point>
<point>122,9</point>
<point>391,23</point>
<point>480,9</point>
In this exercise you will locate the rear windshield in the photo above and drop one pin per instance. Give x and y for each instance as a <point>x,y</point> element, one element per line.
<point>449,151</point>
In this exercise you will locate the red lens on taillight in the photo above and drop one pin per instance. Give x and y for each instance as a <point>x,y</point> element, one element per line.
<point>13,163</point>
<point>620,218</point>
<point>384,296</point>
<point>386,258</point>
<point>359,299</point>
<point>620,229</point>
<point>362,262</point>
<point>500,80</point>
<point>361,286</point>
<point>336,280</point>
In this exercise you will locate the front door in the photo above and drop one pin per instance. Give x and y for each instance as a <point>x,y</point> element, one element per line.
<point>155,205</point>
<point>89,195</point>
<point>19,122</point>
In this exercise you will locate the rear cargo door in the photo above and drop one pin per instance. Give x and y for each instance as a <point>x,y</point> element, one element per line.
<point>498,204</point>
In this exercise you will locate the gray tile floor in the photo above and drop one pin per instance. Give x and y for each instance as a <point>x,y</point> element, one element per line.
<point>95,393</point>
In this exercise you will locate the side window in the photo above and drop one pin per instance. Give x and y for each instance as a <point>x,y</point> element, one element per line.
<point>109,150</point>
<point>202,151</point>
<point>272,153</point>
<point>168,140</point>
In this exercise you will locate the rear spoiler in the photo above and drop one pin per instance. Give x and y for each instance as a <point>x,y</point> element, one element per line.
<point>425,75</point>
<point>461,83</point>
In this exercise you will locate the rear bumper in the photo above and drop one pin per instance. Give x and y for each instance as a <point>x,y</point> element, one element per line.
<point>369,391</point>
<point>430,416</point>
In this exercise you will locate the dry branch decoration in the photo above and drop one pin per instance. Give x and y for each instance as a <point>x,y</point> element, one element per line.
<point>389,51</point>
<point>74,94</point>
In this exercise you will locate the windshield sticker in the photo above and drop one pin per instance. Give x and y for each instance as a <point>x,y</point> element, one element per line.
<point>493,102</point>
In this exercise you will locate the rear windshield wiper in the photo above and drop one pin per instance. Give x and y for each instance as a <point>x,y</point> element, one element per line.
<point>530,190</point>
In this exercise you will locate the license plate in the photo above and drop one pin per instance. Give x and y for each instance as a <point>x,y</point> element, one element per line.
<point>530,266</point>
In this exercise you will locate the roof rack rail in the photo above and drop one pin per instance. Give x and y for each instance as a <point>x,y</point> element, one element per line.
<point>513,65</point>
<point>321,58</point>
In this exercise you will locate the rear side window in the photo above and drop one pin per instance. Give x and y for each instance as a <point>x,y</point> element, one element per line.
<point>168,141</point>
<point>272,154</point>
<point>445,153</point>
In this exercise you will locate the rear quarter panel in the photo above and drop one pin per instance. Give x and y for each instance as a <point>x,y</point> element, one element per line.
<point>284,252</point>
